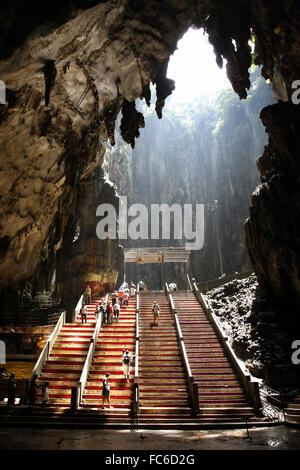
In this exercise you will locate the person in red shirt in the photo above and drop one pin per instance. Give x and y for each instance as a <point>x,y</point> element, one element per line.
<point>110,312</point>
<point>121,296</point>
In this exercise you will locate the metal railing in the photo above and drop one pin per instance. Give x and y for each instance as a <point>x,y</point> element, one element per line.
<point>77,309</point>
<point>48,346</point>
<point>214,283</point>
<point>189,282</point>
<point>137,352</point>
<point>88,361</point>
<point>250,385</point>
<point>193,387</point>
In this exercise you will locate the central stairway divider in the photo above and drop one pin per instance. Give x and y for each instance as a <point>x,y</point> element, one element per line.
<point>86,368</point>
<point>137,351</point>
<point>193,387</point>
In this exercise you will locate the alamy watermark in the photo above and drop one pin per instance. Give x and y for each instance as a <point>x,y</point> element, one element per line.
<point>296,354</point>
<point>2,352</point>
<point>2,92</point>
<point>296,94</point>
<point>188,224</point>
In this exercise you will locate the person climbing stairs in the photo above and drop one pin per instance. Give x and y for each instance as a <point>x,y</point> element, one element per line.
<point>219,390</point>
<point>162,381</point>
<point>112,339</point>
<point>64,365</point>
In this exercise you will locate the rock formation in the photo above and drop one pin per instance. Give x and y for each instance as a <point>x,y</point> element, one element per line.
<point>83,259</point>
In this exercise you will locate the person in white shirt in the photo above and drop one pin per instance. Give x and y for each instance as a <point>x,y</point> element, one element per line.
<point>116,311</point>
<point>132,290</point>
<point>172,286</point>
<point>126,360</point>
<point>155,311</point>
<point>83,314</point>
<point>45,394</point>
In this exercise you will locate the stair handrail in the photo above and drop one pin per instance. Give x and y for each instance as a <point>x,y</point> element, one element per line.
<point>43,357</point>
<point>250,385</point>
<point>193,390</point>
<point>137,352</point>
<point>189,282</point>
<point>78,307</point>
<point>137,335</point>
<point>88,360</point>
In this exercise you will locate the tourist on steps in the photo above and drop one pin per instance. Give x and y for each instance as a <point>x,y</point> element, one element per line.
<point>45,394</point>
<point>121,296</point>
<point>32,391</point>
<point>106,390</point>
<point>110,313</point>
<point>117,311</point>
<point>88,295</point>
<point>132,290</point>
<point>114,297</point>
<point>105,312</point>
<point>126,360</point>
<point>156,312</point>
<point>12,386</point>
<point>97,311</point>
<point>83,314</point>
<point>126,297</point>
<point>100,308</point>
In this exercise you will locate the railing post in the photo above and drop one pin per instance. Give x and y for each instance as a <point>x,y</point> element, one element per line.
<point>23,398</point>
<point>136,405</point>
<point>75,397</point>
<point>77,309</point>
<point>137,352</point>
<point>196,398</point>
<point>254,395</point>
<point>189,282</point>
<point>74,316</point>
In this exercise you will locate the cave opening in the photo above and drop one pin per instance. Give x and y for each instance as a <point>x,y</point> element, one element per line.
<point>202,151</point>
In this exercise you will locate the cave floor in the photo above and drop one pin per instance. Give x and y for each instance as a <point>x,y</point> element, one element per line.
<point>270,438</point>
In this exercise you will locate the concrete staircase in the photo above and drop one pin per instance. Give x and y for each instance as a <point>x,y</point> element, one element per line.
<point>112,340</point>
<point>292,411</point>
<point>65,363</point>
<point>221,395</point>
<point>163,389</point>
<point>163,383</point>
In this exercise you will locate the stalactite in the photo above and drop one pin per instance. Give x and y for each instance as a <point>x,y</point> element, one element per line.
<point>131,122</point>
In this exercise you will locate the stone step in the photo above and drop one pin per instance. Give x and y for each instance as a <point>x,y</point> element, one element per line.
<point>165,410</point>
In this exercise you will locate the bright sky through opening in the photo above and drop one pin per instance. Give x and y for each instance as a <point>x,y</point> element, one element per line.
<point>193,67</point>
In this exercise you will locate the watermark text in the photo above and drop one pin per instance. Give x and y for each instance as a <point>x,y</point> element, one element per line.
<point>139,222</point>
